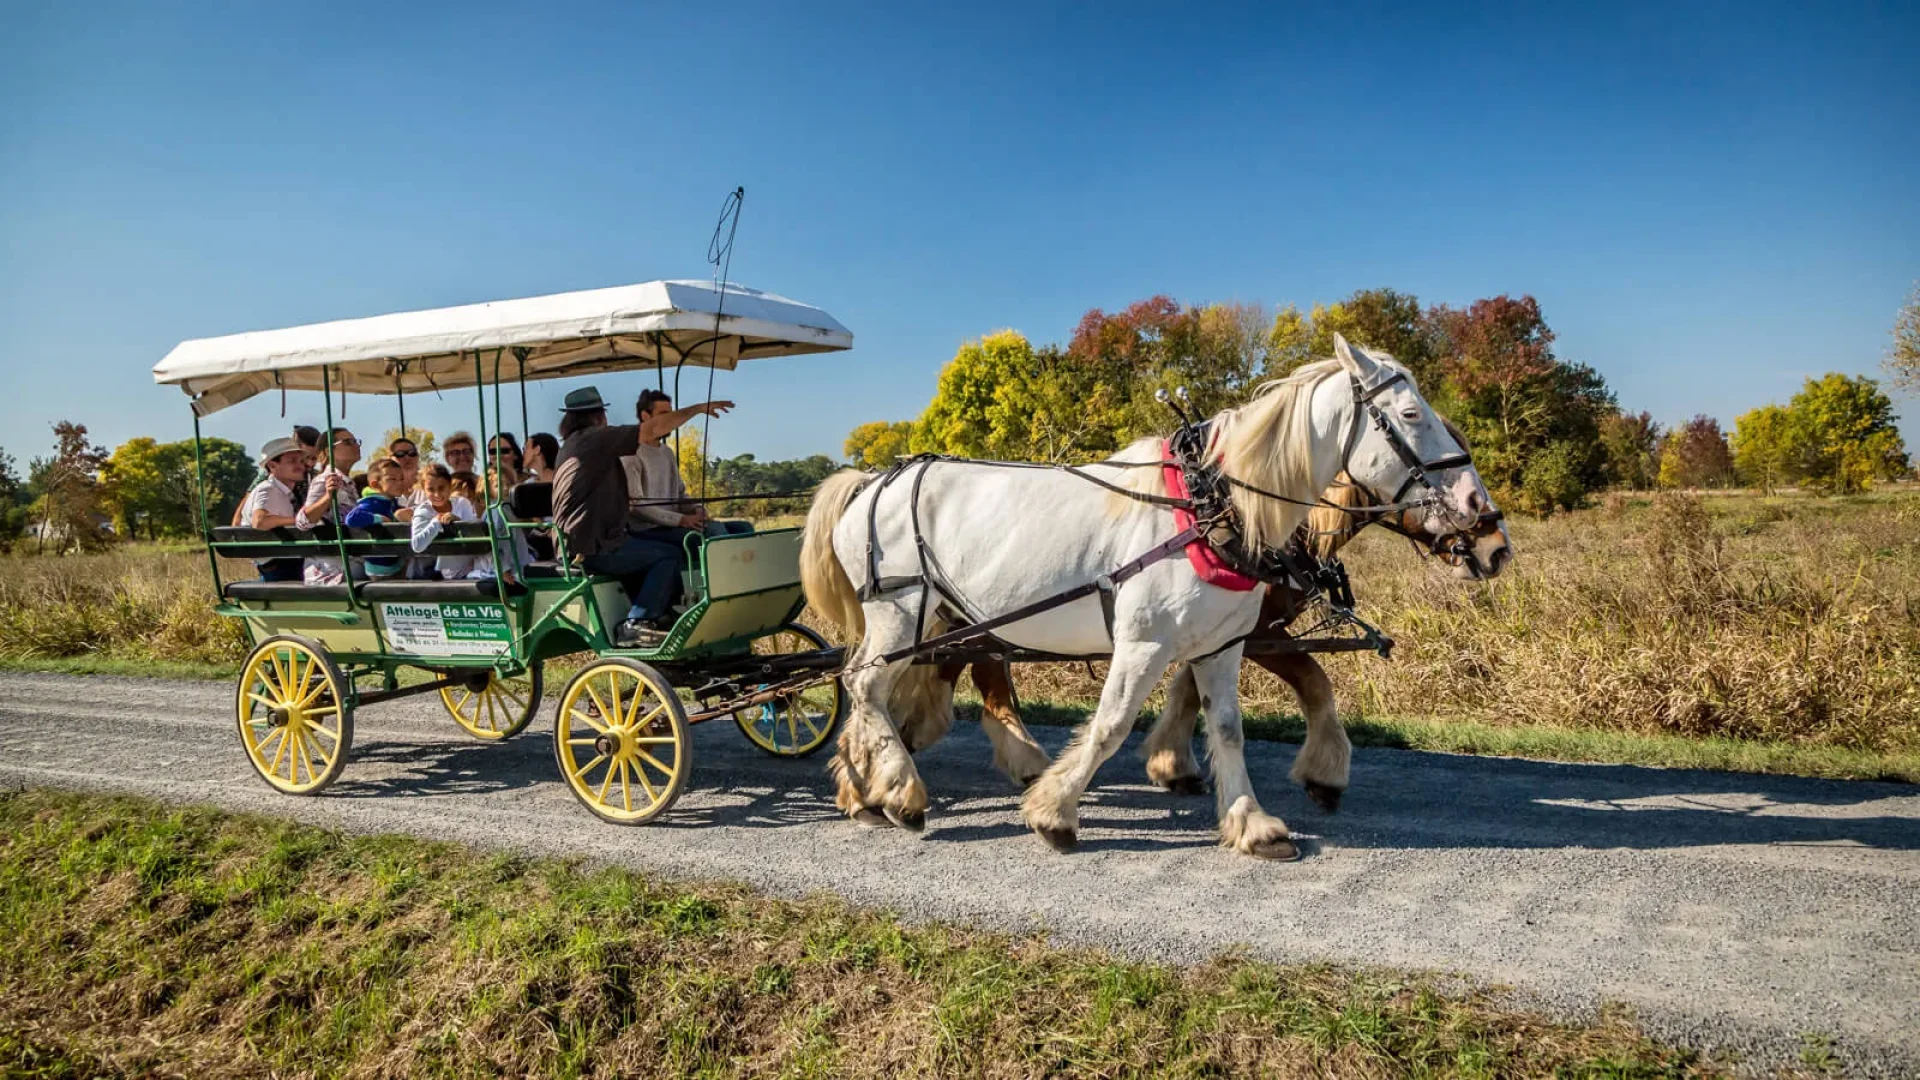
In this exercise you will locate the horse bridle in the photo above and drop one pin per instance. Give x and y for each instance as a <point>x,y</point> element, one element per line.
<point>1454,544</point>
<point>1419,473</point>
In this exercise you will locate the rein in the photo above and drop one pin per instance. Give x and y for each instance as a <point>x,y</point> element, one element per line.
<point>1207,499</point>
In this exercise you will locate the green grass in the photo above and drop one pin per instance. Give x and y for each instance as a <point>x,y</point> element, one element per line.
<point>137,939</point>
<point>114,665</point>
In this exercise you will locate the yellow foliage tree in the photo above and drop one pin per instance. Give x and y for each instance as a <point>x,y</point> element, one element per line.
<point>879,444</point>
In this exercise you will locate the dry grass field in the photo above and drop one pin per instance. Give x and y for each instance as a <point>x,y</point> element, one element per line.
<point>1788,619</point>
<point>1785,620</point>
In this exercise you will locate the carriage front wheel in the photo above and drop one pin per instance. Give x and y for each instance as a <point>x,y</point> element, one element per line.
<point>493,707</point>
<point>621,740</point>
<point>798,723</point>
<point>295,720</point>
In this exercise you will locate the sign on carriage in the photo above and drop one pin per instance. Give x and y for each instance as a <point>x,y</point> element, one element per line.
<point>446,629</point>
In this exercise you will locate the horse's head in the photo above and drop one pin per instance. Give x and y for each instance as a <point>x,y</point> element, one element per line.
<point>1400,451</point>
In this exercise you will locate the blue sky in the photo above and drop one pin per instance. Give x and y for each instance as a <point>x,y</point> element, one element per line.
<point>1711,203</point>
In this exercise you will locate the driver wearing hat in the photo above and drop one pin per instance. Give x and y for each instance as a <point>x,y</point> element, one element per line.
<point>590,503</point>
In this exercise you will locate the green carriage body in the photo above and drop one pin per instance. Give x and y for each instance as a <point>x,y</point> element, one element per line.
<point>739,588</point>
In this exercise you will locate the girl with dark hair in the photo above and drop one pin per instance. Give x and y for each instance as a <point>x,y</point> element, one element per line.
<point>542,450</point>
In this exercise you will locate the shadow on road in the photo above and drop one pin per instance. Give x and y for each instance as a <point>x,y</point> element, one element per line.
<point>1399,799</point>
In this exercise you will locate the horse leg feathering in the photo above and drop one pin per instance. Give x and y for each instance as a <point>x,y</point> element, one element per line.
<point>1169,746</point>
<point>1244,826</point>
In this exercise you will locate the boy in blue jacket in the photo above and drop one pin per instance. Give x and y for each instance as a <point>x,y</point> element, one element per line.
<point>382,504</point>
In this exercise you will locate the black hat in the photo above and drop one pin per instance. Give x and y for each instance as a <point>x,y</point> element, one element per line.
<point>585,399</point>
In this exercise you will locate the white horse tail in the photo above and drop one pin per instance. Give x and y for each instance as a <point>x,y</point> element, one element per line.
<point>921,701</point>
<point>829,591</point>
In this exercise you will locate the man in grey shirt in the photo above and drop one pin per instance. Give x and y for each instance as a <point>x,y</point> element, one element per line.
<point>661,507</point>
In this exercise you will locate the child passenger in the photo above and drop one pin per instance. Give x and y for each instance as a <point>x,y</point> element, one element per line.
<point>451,497</point>
<point>382,504</point>
<point>442,507</point>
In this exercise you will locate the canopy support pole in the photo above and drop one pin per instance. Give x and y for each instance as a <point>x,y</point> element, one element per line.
<point>490,490</point>
<point>400,394</point>
<point>333,508</point>
<point>200,496</point>
<point>526,428</point>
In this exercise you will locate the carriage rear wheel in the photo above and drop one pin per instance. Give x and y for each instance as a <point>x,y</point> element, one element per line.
<point>621,740</point>
<point>295,721</point>
<point>491,707</point>
<point>798,723</point>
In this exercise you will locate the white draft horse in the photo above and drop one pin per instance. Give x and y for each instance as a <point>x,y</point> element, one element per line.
<point>922,702</point>
<point>994,539</point>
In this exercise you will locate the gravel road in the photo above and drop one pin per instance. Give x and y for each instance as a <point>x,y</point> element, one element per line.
<point>1730,911</point>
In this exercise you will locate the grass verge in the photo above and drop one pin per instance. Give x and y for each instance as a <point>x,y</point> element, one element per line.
<point>143,939</point>
<point>111,665</point>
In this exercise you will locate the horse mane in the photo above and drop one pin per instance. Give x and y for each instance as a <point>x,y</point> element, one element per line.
<point>1264,443</point>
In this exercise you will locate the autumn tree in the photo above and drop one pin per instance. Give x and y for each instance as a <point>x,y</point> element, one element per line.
<point>1847,431</point>
<point>1903,355</point>
<point>1695,455</point>
<point>135,486</point>
<point>1289,342</point>
<point>1630,443</point>
<point>1379,319</point>
<point>980,406</point>
<point>150,487</point>
<point>69,507</point>
<point>1117,362</point>
<point>879,444</point>
<point>1768,447</point>
<point>1533,419</point>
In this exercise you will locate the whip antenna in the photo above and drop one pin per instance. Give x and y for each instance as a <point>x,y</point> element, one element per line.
<point>720,256</point>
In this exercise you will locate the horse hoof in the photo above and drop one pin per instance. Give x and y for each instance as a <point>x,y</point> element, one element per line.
<point>1187,785</point>
<point>1062,840</point>
<point>1280,850</point>
<point>1324,796</point>
<point>872,819</point>
<point>911,820</point>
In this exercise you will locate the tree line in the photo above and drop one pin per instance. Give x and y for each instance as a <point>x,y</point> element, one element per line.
<point>83,496</point>
<point>1546,431</point>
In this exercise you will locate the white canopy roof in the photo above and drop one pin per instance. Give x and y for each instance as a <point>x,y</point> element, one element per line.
<point>567,334</point>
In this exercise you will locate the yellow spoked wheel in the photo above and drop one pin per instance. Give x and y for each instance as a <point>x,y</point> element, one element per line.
<point>795,724</point>
<point>621,740</point>
<point>294,719</point>
<point>489,707</point>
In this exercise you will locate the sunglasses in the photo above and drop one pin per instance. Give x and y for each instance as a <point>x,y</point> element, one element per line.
<point>404,453</point>
<point>500,450</point>
<point>347,440</point>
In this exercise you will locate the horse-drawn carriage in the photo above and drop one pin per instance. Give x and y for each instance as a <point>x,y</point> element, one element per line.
<point>319,652</point>
<point>1045,587</point>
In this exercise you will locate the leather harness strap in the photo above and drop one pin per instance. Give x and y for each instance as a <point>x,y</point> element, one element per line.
<point>1105,584</point>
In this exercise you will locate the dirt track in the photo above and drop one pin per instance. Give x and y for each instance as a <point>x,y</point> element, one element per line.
<point>1733,911</point>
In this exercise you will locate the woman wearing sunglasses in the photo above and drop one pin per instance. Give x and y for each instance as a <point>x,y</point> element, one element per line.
<point>407,454</point>
<point>503,466</point>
